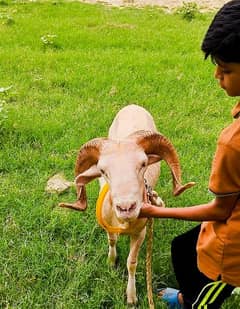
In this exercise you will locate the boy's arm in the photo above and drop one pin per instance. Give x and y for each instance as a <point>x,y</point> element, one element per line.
<point>217,210</point>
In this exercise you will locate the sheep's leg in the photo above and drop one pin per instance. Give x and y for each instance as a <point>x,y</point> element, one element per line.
<point>135,244</point>
<point>112,251</point>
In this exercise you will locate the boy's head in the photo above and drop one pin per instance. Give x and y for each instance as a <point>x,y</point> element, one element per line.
<point>222,40</point>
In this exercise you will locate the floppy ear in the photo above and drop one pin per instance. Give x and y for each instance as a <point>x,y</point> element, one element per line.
<point>81,180</point>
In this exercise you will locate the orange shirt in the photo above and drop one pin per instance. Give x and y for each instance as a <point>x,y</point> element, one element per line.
<point>218,244</point>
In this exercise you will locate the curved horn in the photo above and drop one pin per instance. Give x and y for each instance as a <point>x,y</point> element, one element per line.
<point>158,144</point>
<point>87,157</point>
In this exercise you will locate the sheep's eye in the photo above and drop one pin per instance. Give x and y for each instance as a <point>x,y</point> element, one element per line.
<point>144,164</point>
<point>102,171</point>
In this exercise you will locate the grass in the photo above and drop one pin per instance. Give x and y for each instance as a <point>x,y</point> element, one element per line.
<point>71,67</point>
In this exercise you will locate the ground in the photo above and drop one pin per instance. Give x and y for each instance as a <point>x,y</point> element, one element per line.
<point>167,4</point>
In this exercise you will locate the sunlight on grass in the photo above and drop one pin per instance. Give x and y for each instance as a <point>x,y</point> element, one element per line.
<point>70,67</point>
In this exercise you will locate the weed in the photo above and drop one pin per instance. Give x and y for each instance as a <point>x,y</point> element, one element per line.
<point>7,19</point>
<point>189,10</point>
<point>49,41</point>
<point>4,99</point>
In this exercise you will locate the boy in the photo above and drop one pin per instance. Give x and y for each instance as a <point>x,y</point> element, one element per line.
<point>206,260</point>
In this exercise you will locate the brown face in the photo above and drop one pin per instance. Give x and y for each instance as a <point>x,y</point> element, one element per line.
<point>228,75</point>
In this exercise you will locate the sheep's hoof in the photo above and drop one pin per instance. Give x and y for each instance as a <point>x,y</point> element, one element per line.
<point>113,262</point>
<point>131,306</point>
<point>132,302</point>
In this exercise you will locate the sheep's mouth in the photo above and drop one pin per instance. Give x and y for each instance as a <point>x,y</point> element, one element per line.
<point>124,219</point>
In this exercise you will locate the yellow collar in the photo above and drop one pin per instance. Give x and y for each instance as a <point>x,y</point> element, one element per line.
<point>101,221</point>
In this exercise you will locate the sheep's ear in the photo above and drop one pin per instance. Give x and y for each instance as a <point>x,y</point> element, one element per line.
<point>153,158</point>
<point>81,180</point>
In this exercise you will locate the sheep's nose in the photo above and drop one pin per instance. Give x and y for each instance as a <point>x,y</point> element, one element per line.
<point>126,207</point>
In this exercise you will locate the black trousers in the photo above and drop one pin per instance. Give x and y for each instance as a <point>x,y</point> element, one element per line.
<point>198,291</point>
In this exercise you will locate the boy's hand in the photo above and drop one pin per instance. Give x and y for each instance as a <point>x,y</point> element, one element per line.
<point>146,210</point>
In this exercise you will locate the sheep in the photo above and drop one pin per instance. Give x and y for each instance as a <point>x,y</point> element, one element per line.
<point>125,160</point>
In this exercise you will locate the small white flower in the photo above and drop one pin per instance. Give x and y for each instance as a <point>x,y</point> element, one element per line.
<point>48,39</point>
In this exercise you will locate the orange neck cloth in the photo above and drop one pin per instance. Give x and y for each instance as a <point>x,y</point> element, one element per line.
<point>101,221</point>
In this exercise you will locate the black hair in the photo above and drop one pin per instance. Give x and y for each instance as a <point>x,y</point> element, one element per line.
<point>222,40</point>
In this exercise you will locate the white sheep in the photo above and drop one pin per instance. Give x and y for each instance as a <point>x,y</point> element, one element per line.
<point>129,155</point>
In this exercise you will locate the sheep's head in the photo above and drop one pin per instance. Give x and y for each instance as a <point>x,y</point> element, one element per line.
<point>123,164</point>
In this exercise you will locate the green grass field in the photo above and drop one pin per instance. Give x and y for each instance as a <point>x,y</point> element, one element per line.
<point>70,67</point>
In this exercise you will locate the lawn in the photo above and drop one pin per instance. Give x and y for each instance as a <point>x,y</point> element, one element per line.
<point>65,71</point>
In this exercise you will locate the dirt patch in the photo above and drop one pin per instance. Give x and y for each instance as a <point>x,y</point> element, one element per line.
<point>167,4</point>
